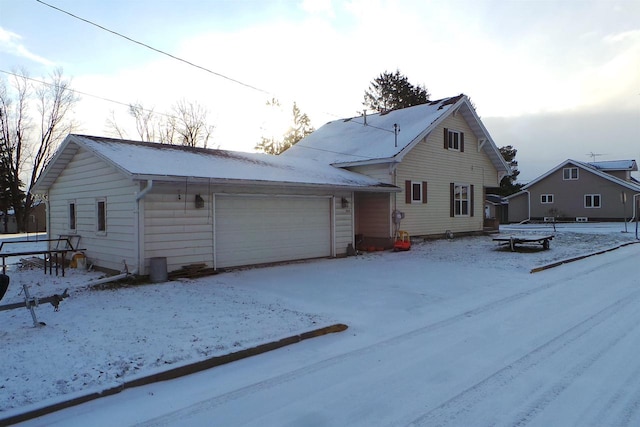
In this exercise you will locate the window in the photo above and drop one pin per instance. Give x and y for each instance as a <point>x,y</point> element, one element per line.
<point>416,192</point>
<point>101,215</point>
<point>569,174</point>
<point>592,201</point>
<point>72,216</point>
<point>461,199</point>
<point>453,140</point>
<point>546,198</point>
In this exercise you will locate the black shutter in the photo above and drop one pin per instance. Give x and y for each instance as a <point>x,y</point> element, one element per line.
<point>407,191</point>
<point>424,191</point>
<point>451,199</point>
<point>471,201</point>
<point>462,142</point>
<point>446,138</point>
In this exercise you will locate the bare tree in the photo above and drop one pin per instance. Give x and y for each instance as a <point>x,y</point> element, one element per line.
<point>187,124</point>
<point>191,124</point>
<point>26,145</point>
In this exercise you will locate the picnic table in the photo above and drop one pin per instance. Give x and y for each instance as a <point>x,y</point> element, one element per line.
<point>512,241</point>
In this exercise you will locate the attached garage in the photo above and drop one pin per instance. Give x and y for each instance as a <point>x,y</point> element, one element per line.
<point>260,229</point>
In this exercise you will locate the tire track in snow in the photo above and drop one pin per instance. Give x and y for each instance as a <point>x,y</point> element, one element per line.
<point>208,404</point>
<point>464,401</point>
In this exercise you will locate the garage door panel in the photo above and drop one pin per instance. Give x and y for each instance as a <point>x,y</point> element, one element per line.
<point>255,230</point>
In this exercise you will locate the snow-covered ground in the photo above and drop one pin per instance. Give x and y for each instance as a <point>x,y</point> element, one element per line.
<point>102,337</point>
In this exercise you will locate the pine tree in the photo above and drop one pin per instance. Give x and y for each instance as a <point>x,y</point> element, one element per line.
<point>508,184</point>
<point>300,128</point>
<point>392,91</point>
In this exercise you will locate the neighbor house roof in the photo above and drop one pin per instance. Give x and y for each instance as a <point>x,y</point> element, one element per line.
<point>373,138</point>
<point>590,167</point>
<point>145,160</point>
<point>615,165</point>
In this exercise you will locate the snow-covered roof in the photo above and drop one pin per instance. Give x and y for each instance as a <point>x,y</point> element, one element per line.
<point>632,185</point>
<point>144,160</point>
<point>615,165</point>
<point>373,139</point>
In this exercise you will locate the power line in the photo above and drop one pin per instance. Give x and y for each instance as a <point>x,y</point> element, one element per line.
<point>128,105</point>
<point>156,50</point>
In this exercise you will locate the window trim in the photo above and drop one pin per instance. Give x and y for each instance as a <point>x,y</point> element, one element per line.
<point>101,216</point>
<point>448,142</point>
<point>460,204</point>
<point>72,216</point>
<point>416,185</point>
<point>567,174</point>
<point>592,198</point>
<point>546,199</point>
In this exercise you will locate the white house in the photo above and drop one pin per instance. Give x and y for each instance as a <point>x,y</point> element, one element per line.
<point>129,202</point>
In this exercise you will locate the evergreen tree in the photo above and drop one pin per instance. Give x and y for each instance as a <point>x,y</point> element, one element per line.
<point>508,184</point>
<point>300,128</point>
<point>392,91</point>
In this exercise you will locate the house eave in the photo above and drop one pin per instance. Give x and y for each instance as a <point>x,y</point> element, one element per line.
<point>383,188</point>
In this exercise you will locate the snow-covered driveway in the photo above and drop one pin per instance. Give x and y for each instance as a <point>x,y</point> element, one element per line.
<point>432,341</point>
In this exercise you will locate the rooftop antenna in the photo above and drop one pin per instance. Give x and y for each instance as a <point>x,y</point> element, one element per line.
<point>594,155</point>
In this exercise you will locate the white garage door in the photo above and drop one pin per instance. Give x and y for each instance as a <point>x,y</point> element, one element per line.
<point>254,230</point>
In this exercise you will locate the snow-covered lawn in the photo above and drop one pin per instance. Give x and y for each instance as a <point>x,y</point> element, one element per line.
<point>102,337</point>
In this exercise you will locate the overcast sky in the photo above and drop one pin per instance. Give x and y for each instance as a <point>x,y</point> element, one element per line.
<point>556,79</point>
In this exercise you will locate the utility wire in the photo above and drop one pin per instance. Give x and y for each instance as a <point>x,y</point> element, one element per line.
<point>156,50</point>
<point>173,57</point>
<point>128,105</point>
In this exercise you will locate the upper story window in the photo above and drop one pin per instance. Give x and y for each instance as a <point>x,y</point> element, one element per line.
<point>546,198</point>
<point>592,200</point>
<point>453,140</point>
<point>570,173</point>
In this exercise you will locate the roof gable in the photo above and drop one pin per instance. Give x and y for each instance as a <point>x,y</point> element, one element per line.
<point>586,167</point>
<point>142,160</point>
<point>373,138</point>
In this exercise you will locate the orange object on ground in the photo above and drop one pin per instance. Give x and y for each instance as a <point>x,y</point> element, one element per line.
<point>403,242</point>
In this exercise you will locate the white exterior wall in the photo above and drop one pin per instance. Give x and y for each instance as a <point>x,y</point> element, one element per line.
<point>86,179</point>
<point>172,227</point>
<point>184,234</point>
<point>429,161</point>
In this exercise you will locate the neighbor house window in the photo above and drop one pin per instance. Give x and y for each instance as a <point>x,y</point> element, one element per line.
<point>461,199</point>
<point>416,191</point>
<point>101,215</point>
<point>453,140</point>
<point>546,198</point>
<point>569,173</point>
<point>592,200</point>
<point>72,216</point>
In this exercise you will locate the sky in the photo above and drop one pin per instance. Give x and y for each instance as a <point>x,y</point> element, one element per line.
<point>556,79</point>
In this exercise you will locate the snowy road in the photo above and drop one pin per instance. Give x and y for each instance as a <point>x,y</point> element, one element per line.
<point>559,347</point>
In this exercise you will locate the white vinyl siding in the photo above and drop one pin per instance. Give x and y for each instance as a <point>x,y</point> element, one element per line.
<point>85,179</point>
<point>429,162</point>
<point>258,229</point>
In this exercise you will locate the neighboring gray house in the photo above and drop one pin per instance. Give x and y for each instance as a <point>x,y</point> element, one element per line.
<point>439,153</point>
<point>579,191</point>
<point>127,202</point>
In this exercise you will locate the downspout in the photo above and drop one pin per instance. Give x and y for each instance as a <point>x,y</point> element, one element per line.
<point>635,207</point>
<point>140,224</point>
<point>528,208</point>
